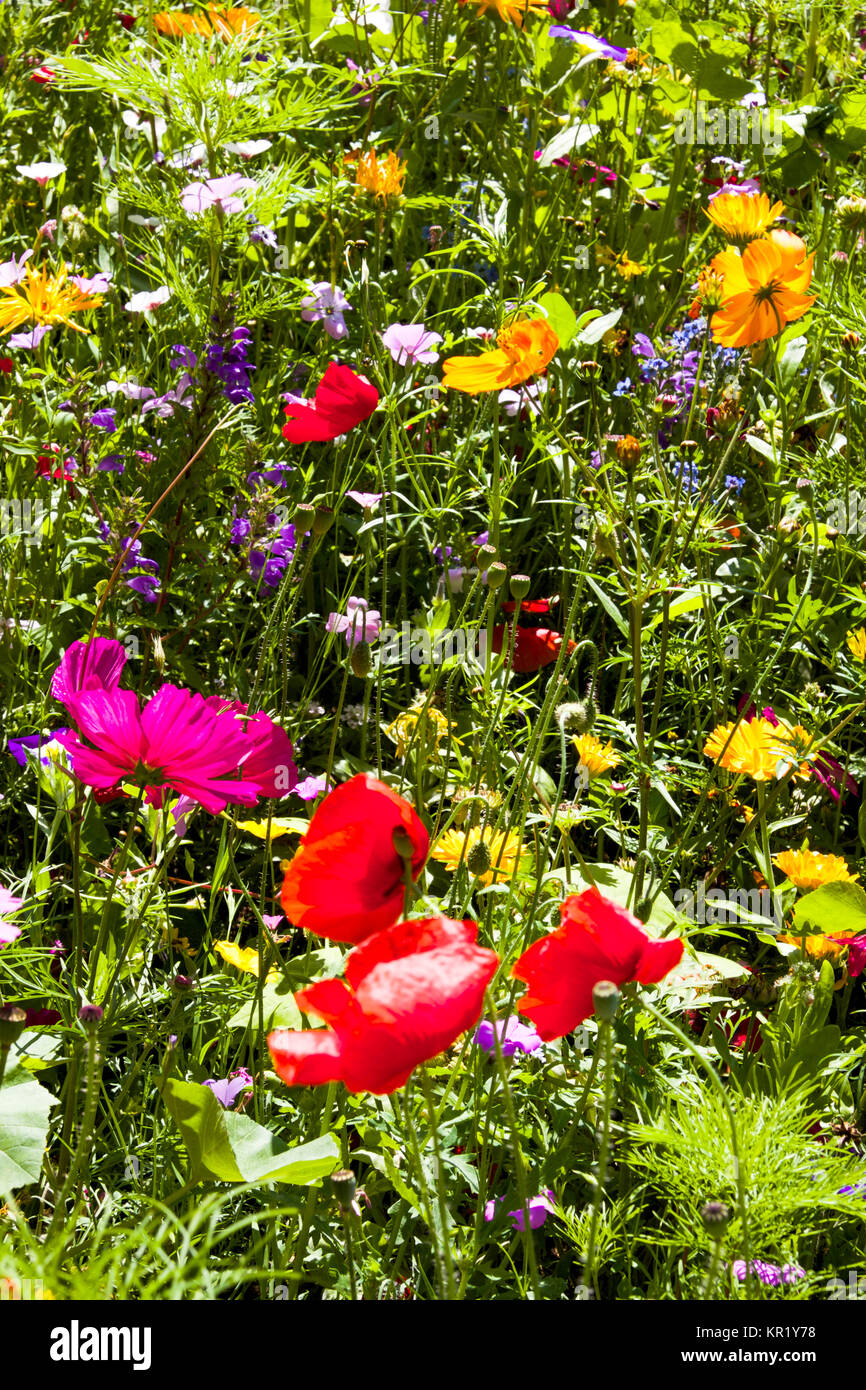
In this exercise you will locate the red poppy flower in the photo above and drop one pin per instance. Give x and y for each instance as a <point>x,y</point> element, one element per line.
<point>346,880</point>
<point>42,75</point>
<point>6,365</point>
<point>410,991</point>
<point>596,941</point>
<point>534,647</point>
<point>529,605</point>
<point>341,402</point>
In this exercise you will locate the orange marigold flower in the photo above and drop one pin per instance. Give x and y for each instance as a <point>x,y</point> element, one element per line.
<point>44,298</point>
<point>817,947</point>
<point>523,350</point>
<point>217,19</point>
<point>509,11</point>
<point>807,870</point>
<point>763,289</point>
<point>710,291</point>
<point>383,178</point>
<point>743,216</point>
<point>755,751</point>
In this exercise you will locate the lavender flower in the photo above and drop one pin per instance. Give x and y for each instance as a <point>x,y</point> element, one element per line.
<point>326,304</point>
<point>311,787</point>
<point>221,194</point>
<point>229,1088</point>
<point>514,1036</point>
<point>768,1274</point>
<point>360,623</point>
<point>539,1207</point>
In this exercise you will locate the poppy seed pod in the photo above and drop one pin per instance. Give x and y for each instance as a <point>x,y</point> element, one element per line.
<point>12,1022</point>
<point>344,1183</point>
<point>322,521</point>
<point>496,575</point>
<point>486,554</point>
<point>715,1216</point>
<point>605,998</point>
<point>520,585</point>
<point>361,660</point>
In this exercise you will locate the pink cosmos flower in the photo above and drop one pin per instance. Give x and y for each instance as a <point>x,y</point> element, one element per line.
<point>311,787</point>
<point>411,343</point>
<point>328,306</point>
<point>360,623</point>
<point>95,665</point>
<point>8,904</point>
<point>175,741</point>
<point>221,194</point>
<point>269,764</point>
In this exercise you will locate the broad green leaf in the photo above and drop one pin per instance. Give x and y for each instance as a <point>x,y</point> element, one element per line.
<point>567,140</point>
<point>560,316</point>
<point>278,1007</point>
<point>24,1107</point>
<point>226,1147</point>
<point>686,603</point>
<point>832,908</point>
<point>596,329</point>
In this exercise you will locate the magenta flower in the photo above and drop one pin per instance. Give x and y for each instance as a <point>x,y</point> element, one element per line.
<point>8,904</point>
<point>326,304</point>
<point>538,1207</point>
<point>272,921</point>
<point>411,343</point>
<point>270,766</point>
<point>221,194</point>
<point>311,787</point>
<point>359,624</point>
<point>767,1273</point>
<point>175,741</point>
<point>856,952</point>
<point>95,665</point>
<point>514,1036</point>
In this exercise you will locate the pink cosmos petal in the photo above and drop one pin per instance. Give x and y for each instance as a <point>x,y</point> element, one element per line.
<point>8,933</point>
<point>8,902</point>
<point>95,665</point>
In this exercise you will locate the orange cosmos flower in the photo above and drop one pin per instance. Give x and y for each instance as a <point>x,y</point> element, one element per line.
<point>763,289</point>
<point>807,870</point>
<point>383,178</point>
<point>509,11</point>
<point>523,350</point>
<point>743,216</point>
<point>44,299</point>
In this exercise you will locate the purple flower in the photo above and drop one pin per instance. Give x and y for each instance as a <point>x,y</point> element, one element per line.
<point>311,787</point>
<point>514,1036</point>
<point>767,1273</point>
<point>359,624</point>
<point>180,812</point>
<point>272,922</point>
<point>528,397</point>
<point>112,463</point>
<point>747,186</point>
<point>29,340</point>
<point>196,198</point>
<point>104,420</point>
<point>146,585</point>
<point>538,1207</point>
<point>16,746</point>
<point>14,272</point>
<point>183,357</point>
<point>327,304</point>
<point>411,343</point>
<point>228,1090</point>
<point>588,42</point>
<point>92,284</point>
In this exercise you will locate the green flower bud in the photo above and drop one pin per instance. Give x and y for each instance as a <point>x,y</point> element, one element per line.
<point>605,1000</point>
<point>478,858</point>
<point>361,659</point>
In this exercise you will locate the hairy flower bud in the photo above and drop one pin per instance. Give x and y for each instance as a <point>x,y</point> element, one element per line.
<point>715,1216</point>
<point>478,859</point>
<point>361,659</point>
<point>577,717</point>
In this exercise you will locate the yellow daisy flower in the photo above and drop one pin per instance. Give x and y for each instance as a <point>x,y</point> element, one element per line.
<point>857,644</point>
<point>807,870</point>
<point>503,852</point>
<point>44,299</point>
<point>756,749</point>
<point>433,728</point>
<point>243,958</point>
<point>594,756</point>
<point>817,947</point>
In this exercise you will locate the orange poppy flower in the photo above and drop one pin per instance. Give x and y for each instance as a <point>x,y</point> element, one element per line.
<point>523,350</point>
<point>763,289</point>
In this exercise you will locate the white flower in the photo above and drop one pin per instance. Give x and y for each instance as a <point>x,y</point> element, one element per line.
<point>376,13</point>
<point>41,172</point>
<point>247,148</point>
<point>148,300</point>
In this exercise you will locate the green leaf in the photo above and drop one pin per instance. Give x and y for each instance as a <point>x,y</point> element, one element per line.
<point>686,603</point>
<point>24,1107</point>
<point>596,329</point>
<point>278,1007</point>
<point>567,140</point>
<point>228,1147</point>
<point>832,908</point>
<point>560,316</point>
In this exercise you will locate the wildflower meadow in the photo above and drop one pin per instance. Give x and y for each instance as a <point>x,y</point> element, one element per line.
<point>432,654</point>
